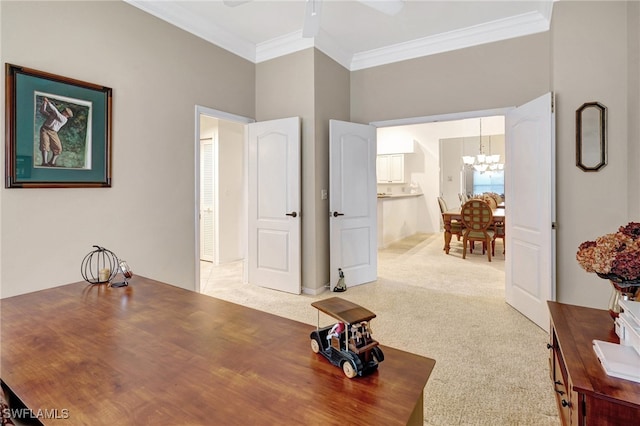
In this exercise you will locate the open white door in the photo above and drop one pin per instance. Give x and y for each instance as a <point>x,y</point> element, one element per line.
<point>530,208</point>
<point>352,202</point>
<point>274,204</point>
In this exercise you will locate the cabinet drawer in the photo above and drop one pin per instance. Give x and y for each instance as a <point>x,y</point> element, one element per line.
<point>561,388</point>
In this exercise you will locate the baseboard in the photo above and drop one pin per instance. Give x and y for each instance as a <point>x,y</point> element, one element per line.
<point>315,291</point>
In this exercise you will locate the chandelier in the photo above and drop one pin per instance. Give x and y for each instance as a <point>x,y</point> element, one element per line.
<point>483,162</point>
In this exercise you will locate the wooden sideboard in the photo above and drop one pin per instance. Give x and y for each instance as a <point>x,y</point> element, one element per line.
<point>585,394</point>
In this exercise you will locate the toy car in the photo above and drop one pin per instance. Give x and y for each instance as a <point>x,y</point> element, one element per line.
<point>348,343</point>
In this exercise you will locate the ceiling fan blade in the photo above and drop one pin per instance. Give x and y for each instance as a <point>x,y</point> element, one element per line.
<point>388,7</point>
<point>234,3</point>
<point>311,24</point>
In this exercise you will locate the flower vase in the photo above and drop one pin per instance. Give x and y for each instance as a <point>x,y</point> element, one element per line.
<point>621,292</point>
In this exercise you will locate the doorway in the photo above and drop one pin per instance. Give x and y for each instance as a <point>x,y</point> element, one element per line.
<point>220,197</point>
<point>530,195</point>
<point>432,167</point>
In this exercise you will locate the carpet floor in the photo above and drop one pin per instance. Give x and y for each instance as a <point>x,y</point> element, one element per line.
<point>492,364</point>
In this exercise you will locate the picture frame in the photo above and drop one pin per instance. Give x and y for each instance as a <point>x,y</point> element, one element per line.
<point>57,131</point>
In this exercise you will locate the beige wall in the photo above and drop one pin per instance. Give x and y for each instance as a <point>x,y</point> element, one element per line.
<point>312,86</point>
<point>158,74</point>
<point>496,75</point>
<point>331,103</point>
<point>633,27</point>
<point>591,65</point>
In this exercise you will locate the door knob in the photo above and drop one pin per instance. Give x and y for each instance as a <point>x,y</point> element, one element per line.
<point>292,214</point>
<point>336,214</point>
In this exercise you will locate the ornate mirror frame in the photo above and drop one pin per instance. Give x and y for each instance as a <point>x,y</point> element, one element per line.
<point>591,136</point>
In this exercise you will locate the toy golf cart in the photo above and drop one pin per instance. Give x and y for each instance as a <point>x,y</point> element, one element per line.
<point>348,343</point>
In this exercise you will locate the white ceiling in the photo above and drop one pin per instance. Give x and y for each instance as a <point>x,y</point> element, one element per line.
<point>353,34</point>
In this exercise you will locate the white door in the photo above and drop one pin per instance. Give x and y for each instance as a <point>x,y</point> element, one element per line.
<point>352,202</point>
<point>530,208</point>
<point>274,204</point>
<point>207,197</point>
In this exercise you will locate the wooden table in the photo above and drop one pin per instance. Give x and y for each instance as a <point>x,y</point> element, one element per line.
<point>152,353</point>
<point>449,215</point>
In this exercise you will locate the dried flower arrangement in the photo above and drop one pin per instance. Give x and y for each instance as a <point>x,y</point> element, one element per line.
<point>614,256</point>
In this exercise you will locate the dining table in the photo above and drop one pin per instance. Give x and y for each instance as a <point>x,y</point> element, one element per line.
<point>455,214</point>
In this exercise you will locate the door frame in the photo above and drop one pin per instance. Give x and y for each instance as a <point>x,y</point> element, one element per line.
<point>446,117</point>
<point>221,115</point>
<point>478,114</point>
<point>455,116</point>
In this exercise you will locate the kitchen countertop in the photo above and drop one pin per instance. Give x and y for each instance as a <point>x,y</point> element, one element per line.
<point>383,196</point>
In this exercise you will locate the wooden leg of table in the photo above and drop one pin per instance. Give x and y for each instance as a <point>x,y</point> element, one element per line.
<point>417,416</point>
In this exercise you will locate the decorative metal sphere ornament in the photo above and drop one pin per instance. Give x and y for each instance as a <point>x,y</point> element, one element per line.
<point>99,266</point>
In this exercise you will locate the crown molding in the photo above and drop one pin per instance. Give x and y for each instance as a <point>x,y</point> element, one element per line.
<point>330,47</point>
<point>503,29</point>
<point>294,42</point>
<point>280,46</point>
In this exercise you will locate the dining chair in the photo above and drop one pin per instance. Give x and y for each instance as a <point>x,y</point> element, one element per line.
<point>498,232</point>
<point>493,203</point>
<point>456,225</point>
<point>477,218</point>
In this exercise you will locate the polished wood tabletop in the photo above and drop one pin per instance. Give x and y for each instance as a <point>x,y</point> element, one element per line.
<point>155,354</point>
<point>449,215</point>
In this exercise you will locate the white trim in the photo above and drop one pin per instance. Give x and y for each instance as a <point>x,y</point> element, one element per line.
<point>315,291</point>
<point>280,46</point>
<point>196,197</point>
<point>516,26</point>
<point>502,29</point>
<point>175,14</point>
<point>441,117</point>
<point>222,115</point>
<point>330,47</point>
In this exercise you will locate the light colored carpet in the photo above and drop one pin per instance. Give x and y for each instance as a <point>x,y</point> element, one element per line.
<point>491,362</point>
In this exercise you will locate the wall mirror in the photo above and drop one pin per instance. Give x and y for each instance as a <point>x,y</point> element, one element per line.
<point>591,136</point>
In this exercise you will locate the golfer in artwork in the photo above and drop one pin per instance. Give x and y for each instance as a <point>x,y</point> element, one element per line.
<point>49,139</point>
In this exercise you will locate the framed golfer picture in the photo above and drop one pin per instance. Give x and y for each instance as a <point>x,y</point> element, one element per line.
<point>58,131</point>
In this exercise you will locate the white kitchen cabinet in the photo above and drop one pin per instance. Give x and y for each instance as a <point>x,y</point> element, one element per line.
<point>390,168</point>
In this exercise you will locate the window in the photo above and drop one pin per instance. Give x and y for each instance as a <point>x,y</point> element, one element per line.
<point>489,181</point>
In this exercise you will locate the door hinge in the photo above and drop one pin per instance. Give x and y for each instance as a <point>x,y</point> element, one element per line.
<point>553,102</point>
<point>554,225</point>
